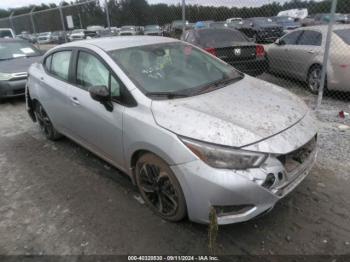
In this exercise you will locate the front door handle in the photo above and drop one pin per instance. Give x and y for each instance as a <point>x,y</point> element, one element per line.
<point>311,52</point>
<point>75,100</point>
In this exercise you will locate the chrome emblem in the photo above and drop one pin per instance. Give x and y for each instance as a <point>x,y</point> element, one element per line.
<point>237,51</point>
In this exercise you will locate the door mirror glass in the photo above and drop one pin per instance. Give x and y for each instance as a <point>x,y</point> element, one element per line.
<point>102,95</point>
<point>280,42</point>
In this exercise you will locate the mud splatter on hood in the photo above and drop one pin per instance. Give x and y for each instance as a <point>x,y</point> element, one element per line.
<point>237,115</point>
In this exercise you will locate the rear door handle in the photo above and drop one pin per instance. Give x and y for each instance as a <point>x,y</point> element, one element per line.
<point>75,100</point>
<point>311,52</point>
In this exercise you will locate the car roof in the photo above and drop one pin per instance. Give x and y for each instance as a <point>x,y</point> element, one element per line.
<point>120,42</point>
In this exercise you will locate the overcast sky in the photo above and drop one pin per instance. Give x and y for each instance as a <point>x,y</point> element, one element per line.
<point>239,3</point>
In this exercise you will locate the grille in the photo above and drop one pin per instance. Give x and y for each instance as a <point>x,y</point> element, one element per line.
<point>296,158</point>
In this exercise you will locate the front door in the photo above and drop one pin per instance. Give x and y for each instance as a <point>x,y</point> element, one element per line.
<point>96,127</point>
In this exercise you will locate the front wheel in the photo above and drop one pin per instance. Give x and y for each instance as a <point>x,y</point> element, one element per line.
<point>45,123</point>
<point>314,79</point>
<point>159,188</point>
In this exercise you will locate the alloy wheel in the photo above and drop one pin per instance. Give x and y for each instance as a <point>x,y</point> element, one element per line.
<point>314,81</point>
<point>158,190</point>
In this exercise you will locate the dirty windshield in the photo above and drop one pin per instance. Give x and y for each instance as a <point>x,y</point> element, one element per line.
<point>173,68</point>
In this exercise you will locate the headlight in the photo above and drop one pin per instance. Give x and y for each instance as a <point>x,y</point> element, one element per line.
<point>5,76</point>
<point>224,157</point>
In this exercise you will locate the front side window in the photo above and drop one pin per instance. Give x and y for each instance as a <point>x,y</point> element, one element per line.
<point>60,64</point>
<point>310,38</point>
<point>92,72</point>
<point>291,38</point>
<point>173,67</point>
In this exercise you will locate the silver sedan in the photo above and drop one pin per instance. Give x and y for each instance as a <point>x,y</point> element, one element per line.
<point>299,54</point>
<point>195,135</point>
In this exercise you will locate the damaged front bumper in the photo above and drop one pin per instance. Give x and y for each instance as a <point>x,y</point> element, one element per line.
<point>240,195</point>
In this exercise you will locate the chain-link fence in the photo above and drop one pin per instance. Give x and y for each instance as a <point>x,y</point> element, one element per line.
<point>285,43</point>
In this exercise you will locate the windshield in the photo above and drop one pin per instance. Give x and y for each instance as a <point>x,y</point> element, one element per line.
<point>263,21</point>
<point>175,68</point>
<point>12,50</point>
<point>152,27</point>
<point>220,37</point>
<point>5,33</point>
<point>284,19</point>
<point>218,25</point>
<point>344,34</point>
<point>127,28</point>
<point>77,31</point>
<point>44,34</point>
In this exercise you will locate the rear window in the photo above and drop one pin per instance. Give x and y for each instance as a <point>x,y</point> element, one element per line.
<point>217,38</point>
<point>5,33</point>
<point>344,34</point>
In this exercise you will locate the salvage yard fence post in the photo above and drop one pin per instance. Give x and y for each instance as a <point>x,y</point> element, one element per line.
<point>326,54</point>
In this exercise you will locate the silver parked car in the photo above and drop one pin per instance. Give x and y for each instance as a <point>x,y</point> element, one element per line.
<point>192,133</point>
<point>299,54</point>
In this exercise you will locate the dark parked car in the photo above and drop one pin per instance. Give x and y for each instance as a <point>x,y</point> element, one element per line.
<point>16,56</point>
<point>58,37</point>
<point>261,29</point>
<point>231,46</point>
<point>176,28</point>
<point>287,23</point>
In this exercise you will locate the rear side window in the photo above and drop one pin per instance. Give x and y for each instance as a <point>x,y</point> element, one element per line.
<point>60,64</point>
<point>344,34</point>
<point>6,34</point>
<point>291,38</point>
<point>310,38</point>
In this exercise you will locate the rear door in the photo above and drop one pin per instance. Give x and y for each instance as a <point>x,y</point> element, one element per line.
<point>280,58</point>
<point>92,124</point>
<point>55,83</point>
<point>304,53</point>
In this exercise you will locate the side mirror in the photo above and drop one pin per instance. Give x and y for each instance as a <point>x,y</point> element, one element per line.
<point>102,95</point>
<point>279,42</point>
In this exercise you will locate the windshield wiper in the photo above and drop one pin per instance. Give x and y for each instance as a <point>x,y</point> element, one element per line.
<point>218,84</point>
<point>169,95</point>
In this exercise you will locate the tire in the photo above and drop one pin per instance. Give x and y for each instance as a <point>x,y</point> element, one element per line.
<point>159,188</point>
<point>314,79</point>
<point>45,123</point>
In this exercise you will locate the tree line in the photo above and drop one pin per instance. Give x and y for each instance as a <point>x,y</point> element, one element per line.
<point>140,12</point>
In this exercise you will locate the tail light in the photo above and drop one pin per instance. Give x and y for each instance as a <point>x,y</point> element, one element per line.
<point>211,50</point>
<point>260,51</point>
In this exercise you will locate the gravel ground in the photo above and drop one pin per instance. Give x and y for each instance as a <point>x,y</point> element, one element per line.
<point>57,198</point>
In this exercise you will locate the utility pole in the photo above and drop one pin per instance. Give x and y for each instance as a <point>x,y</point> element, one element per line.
<point>183,16</point>
<point>107,14</point>
<point>11,21</point>
<point>62,20</point>
<point>326,54</point>
<point>32,20</point>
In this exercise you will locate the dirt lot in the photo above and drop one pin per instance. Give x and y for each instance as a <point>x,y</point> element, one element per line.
<point>57,198</point>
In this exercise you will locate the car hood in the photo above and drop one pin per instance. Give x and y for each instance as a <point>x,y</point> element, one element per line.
<point>237,115</point>
<point>18,65</point>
